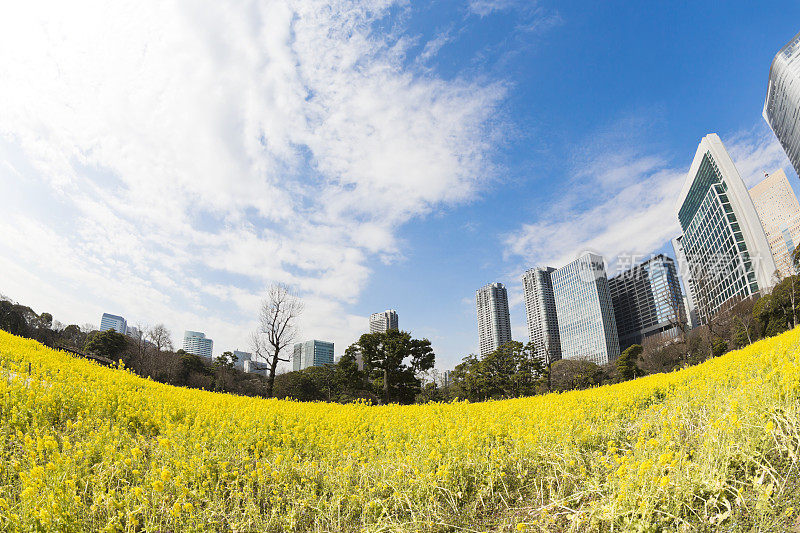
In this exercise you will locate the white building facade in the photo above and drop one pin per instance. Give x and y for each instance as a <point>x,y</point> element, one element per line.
<point>779,211</point>
<point>540,310</point>
<point>195,342</point>
<point>383,322</point>
<point>586,323</point>
<point>494,322</point>
<point>723,243</point>
<point>782,105</point>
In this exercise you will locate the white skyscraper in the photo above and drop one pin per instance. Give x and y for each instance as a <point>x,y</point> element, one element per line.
<point>779,212</point>
<point>494,323</point>
<point>117,323</point>
<point>723,243</point>
<point>195,342</point>
<point>383,322</point>
<point>586,321</point>
<point>540,307</point>
<point>782,105</point>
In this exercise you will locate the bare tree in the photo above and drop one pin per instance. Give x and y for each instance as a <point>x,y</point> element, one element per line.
<point>160,336</point>
<point>139,339</point>
<point>278,315</point>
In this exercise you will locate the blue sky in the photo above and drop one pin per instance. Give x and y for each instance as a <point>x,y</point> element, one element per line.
<point>168,161</point>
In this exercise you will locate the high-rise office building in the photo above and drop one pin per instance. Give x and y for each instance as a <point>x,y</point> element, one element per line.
<point>383,322</point>
<point>586,322</point>
<point>779,212</point>
<point>782,105</point>
<point>684,272</point>
<point>195,342</point>
<point>540,308</point>
<point>241,357</point>
<point>312,353</point>
<point>647,302</point>
<point>494,322</point>
<point>723,243</point>
<point>117,323</point>
<point>254,367</point>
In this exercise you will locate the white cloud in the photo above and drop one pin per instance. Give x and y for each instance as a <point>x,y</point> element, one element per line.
<point>486,7</point>
<point>186,154</point>
<point>621,203</point>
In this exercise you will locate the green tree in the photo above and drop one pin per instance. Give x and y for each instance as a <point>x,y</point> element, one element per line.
<point>107,343</point>
<point>190,363</point>
<point>510,371</point>
<point>12,318</point>
<point>626,362</point>
<point>392,358</point>
<point>348,379</point>
<point>226,360</point>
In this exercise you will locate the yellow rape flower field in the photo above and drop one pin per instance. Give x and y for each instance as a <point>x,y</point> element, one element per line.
<point>88,448</point>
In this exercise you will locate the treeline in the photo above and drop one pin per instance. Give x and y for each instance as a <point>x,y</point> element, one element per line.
<point>395,368</point>
<point>148,354</point>
<point>391,362</point>
<point>515,370</point>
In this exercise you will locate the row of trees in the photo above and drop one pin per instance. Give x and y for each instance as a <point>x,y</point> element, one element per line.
<point>388,371</point>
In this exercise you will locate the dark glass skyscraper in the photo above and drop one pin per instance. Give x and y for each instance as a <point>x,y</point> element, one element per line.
<point>647,301</point>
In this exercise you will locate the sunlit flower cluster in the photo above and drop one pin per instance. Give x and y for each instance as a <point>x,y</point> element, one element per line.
<point>91,448</point>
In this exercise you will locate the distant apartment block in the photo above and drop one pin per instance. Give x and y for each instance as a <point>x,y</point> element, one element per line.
<point>782,104</point>
<point>647,302</point>
<point>195,342</point>
<point>312,353</point>
<point>383,322</point>
<point>777,207</point>
<point>723,244</point>
<point>586,323</point>
<point>540,308</point>
<point>494,322</point>
<point>117,323</point>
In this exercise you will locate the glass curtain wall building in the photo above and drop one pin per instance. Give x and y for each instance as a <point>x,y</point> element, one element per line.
<point>586,324</point>
<point>312,353</point>
<point>782,105</point>
<point>723,243</point>
<point>540,308</point>
<point>494,322</point>
<point>647,302</point>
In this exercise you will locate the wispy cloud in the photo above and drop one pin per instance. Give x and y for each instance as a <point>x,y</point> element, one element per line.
<point>201,151</point>
<point>621,202</point>
<point>486,7</point>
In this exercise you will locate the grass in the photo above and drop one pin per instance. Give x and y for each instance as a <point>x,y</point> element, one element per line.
<point>87,448</point>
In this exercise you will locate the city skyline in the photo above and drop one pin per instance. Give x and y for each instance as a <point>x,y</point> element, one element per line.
<point>440,162</point>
